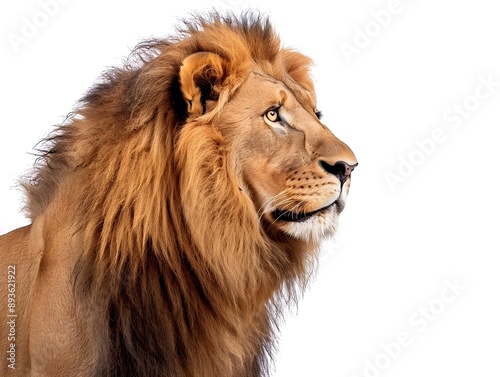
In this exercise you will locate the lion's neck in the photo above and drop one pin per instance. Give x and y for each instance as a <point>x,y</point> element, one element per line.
<point>162,318</point>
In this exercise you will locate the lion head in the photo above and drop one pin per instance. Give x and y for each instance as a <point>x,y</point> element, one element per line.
<point>288,164</point>
<point>261,104</point>
<point>186,195</point>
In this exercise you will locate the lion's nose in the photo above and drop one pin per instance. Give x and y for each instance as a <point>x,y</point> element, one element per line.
<point>341,169</point>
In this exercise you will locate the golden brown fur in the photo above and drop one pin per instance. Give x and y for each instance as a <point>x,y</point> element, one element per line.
<point>153,249</point>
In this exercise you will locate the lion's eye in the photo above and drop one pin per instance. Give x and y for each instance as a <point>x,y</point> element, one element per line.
<point>273,115</point>
<point>273,120</point>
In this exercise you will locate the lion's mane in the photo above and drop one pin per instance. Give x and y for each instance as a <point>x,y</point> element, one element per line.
<point>164,297</point>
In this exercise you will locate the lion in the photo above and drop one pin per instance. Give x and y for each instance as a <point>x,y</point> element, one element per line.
<point>176,212</point>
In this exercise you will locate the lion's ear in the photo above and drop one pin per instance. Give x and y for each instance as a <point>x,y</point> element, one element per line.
<point>200,75</point>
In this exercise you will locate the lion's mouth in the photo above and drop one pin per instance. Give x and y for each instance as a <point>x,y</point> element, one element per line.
<point>297,217</point>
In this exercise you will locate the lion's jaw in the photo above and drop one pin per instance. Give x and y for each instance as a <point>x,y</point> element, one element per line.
<point>282,161</point>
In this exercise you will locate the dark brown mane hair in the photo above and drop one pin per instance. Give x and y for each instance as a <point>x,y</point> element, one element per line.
<point>163,298</point>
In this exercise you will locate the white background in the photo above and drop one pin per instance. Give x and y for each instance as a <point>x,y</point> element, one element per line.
<point>397,247</point>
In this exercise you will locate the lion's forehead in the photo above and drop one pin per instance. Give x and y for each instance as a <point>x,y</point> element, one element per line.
<point>269,85</point>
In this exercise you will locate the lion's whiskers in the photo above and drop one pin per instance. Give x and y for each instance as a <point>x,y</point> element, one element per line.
<point>279,201</point>
<point>292,210</point>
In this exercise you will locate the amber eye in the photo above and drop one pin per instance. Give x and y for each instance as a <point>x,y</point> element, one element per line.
<point>273,115</point>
